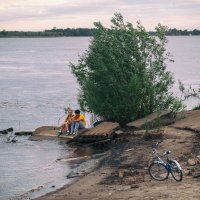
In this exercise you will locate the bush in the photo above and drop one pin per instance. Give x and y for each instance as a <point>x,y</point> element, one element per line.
<point>123,76</point>
<point>196,107</point>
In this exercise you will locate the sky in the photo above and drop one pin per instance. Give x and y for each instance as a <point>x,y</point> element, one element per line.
<point>38,15</point>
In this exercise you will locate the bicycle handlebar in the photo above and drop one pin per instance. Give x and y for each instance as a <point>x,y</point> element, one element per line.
<point>154,150</point>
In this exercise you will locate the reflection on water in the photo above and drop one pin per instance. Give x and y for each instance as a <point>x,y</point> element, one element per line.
<point>29,164</point>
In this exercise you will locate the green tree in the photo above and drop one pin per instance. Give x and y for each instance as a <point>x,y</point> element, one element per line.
<point>122,75</point>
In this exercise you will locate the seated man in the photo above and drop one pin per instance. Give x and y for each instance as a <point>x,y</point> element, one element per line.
<point>78,122</point>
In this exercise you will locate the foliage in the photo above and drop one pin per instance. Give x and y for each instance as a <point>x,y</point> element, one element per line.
<point>59,32</point>
<point>123,76</point>
<point>196,107</point>
<point>49,33</point>
<point>189,93</point>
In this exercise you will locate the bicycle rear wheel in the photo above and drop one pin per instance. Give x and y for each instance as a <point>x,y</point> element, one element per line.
<point>158,171</point>
<point>176,172</point>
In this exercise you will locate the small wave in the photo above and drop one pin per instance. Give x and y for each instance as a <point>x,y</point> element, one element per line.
<point>12,104</point>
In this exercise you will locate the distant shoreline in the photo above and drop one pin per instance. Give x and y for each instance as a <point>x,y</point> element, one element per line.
<point>75,36</point>
<point>81,32</point>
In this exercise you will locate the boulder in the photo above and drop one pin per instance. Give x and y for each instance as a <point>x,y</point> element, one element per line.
<point>196,175</point>
<point>20,133</point>
<point>191,121</point>
<point>198,159</point>
<point>191,162</point>
<point>160,118</point>
<point>6,131</point>
<point>46,131</point>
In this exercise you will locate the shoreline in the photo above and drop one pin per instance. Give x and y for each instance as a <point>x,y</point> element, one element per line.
<point>123,172</point>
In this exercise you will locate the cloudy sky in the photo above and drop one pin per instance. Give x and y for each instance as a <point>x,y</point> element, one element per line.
<point>45,14</point>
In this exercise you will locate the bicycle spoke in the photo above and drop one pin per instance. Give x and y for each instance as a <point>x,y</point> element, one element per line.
<point>158,171</point>
<point>177,173</point>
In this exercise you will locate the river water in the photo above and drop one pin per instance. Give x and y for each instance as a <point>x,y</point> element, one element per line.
<point>31,165</point>
<point>36,85</point>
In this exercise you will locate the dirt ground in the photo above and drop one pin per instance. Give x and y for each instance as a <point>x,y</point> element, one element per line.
<point>123,172</point>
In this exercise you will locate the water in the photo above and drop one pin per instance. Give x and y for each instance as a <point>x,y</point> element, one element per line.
<point>186,68</point>
<point>36,81</point>
<point>29,165</point>
<point>36,84</point>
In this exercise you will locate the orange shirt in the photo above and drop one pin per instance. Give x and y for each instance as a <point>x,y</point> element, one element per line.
<point>79,118</point>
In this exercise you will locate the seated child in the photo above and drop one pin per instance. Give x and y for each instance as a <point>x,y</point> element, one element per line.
<point>67,123</point>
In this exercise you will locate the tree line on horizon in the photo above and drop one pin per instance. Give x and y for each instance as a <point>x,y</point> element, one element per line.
<point>58,32</point>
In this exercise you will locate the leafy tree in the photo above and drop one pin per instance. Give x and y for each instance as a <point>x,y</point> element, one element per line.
<point>122,75</point>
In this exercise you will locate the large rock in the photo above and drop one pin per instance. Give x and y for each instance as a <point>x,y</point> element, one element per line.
<point>191,121</point>
<point>191,162</point>
<point>6,131</point>
<point>46,131</point>
<point>153,120</point>
<point>198,159</point>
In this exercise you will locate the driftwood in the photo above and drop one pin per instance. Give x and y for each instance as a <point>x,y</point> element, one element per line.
<point>6,131</point>
<point>23,133</point>
<point>11,139</point>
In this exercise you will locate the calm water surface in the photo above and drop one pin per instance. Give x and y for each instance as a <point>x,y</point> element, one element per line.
<point>36,84</point>
<point>27,165</point>
<point>35,80</point>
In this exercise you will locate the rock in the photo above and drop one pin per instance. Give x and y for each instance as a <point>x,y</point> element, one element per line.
<point>190,122</point>
<point>46,131</point>
<point>6,131</point>
<point>127,172</point>
<point>198,159</point>
<point>119,132</point>
<point>196,175</point>
<point>20,133</point>
<point>121,173</point>
<point>187,172</point>
<point>134,186</point>
<point>149,134</point>
<point>191,162</point>
<point>156,119</point>
<point>180,141</point>
<point>127,150</point>
<point>153,135</point>
<point>73,175</point>
<point>139,133</point>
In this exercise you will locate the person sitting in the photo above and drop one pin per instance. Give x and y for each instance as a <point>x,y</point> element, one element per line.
<point>67,122</point>
<point>78,122</point>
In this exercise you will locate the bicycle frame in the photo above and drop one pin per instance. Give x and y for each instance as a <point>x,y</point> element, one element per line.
<point>167,165</point>
<point>171,166</point>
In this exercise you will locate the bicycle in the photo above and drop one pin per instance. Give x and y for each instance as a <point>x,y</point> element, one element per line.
<point>160,169</point>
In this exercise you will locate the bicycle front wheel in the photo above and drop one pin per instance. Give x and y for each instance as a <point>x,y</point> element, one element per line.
<point>158,171</point>
<point>176,172</point>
